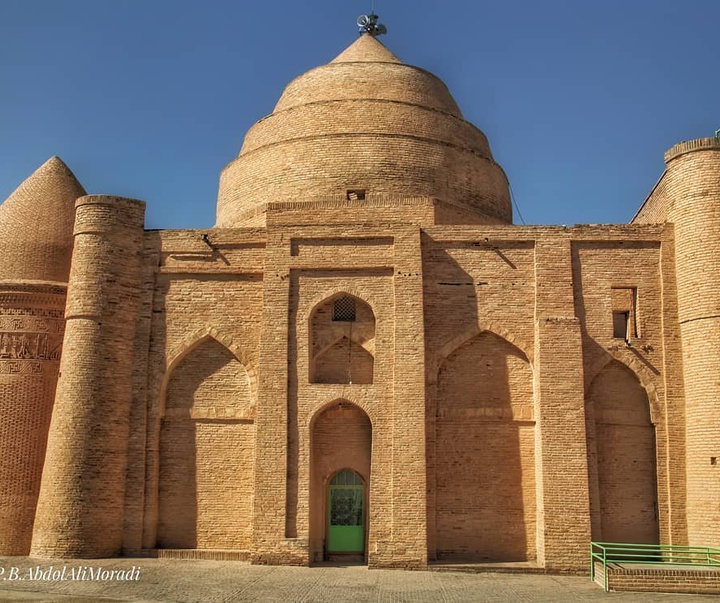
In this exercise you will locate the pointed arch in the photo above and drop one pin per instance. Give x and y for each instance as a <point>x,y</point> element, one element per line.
<point>622,457</point>
<point>485,505</point>
<point>363,296</point>
<point>473,331</point>
<point>341,330</point>
<point>643,375</point>
<point>341,435</point>
<point>205,446</point>
<point>192,342</point>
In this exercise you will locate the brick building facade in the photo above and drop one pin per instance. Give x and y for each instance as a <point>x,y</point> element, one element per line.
<point>364,356</point>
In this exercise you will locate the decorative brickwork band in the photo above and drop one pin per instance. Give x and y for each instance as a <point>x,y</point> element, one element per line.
<point>80,512</point>
<point>688,146</point>
<point>31,331</point>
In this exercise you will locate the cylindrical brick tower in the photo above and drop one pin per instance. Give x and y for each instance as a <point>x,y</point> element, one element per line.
<point>692,187</point>
<point>80,510</point>
<point>36,224</point>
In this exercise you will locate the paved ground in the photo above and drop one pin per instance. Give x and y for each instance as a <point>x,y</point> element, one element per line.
<point>168,580</point>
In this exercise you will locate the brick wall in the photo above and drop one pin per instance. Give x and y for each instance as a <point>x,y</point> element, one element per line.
<point>206,484</point>
<point>621,452</point>
<point>201,371</point>
<point>485,452</point>
<point>688,580</point>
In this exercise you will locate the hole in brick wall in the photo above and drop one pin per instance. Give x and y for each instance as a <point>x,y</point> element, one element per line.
<point>355,195</point>
<point>713,460</point>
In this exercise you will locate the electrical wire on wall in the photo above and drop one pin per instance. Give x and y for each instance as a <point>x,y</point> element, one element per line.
<point>350,324</point>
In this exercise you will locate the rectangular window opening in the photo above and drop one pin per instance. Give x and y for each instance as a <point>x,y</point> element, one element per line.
<point>624,313</point>
<point>620,324</point>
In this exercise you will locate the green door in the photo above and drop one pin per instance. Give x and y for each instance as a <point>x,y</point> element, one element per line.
<point>346,513</point>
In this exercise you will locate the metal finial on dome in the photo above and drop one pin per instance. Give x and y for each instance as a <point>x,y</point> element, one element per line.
<point>368,24</point>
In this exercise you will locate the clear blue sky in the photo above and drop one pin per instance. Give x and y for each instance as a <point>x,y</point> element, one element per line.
<point>151,98</point>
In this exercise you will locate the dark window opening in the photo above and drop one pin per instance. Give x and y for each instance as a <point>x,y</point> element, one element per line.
<point>620,324</point>
<point>344,309</point>
<point>624,312</point>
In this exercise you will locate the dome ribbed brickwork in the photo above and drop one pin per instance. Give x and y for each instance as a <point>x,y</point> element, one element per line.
<point>36,225</point>
<point>365,121</point>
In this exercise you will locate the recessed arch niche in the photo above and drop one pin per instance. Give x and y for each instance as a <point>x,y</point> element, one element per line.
<point>340,439</point>
<point>485,499</point>
<point>206,452</point>
<point>621,458</point>
<point>342,341</point>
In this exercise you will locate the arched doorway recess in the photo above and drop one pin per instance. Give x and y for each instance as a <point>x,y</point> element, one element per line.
<point>341,448</point>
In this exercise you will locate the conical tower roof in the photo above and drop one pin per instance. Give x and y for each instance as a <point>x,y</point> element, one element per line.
<point>365,121</point>
<point>366,49</point>
<point>36,225</point>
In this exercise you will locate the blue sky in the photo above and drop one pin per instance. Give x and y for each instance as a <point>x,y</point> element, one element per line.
<point>151,99</point>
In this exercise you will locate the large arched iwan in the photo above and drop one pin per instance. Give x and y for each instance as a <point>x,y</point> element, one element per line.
<point>341,439</point>
<point>485,453</point>
<point>206,455</point>
<point>621,458</point>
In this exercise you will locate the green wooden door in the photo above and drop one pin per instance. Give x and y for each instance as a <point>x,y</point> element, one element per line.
<point>346,513</point>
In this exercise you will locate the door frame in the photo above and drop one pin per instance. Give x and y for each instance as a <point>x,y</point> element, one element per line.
<point>326,511</point>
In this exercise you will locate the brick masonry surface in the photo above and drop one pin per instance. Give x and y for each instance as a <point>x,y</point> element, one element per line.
<point>507,393</point>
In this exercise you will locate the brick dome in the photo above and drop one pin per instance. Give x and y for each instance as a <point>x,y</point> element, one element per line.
<point>365,121</point>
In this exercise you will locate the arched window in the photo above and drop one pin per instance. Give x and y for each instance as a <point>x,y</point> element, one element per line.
<point>342,341</point>
<point>346,477</point>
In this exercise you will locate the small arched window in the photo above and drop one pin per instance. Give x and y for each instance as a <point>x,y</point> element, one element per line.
<point>342,341</point>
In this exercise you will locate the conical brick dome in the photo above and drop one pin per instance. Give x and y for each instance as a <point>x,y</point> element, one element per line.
<point>365,121</point>
<point>36,225</point>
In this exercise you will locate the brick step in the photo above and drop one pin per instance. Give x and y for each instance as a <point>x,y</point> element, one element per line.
<point>207,554</point>
<point>518,567</point>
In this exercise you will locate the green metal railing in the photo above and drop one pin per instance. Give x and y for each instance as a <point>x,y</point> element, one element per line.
<point>650,554</point>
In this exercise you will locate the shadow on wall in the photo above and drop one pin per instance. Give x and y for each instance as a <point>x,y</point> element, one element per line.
<point>206,454</point>
<point>621,458</point>
<point>621,438</point>
<point>482,448</point>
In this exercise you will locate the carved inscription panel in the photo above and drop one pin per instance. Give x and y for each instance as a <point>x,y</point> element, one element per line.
<point>30,340</point>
